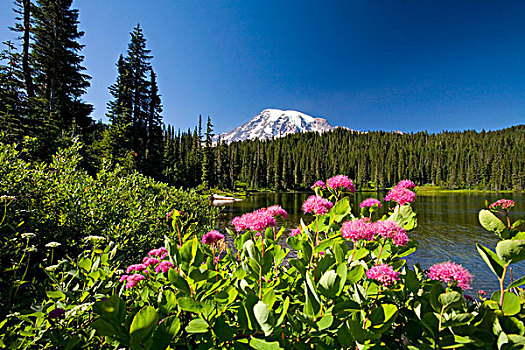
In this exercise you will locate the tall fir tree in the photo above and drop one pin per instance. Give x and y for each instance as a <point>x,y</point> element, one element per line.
<point>59,74</point>
<point>208,162</point>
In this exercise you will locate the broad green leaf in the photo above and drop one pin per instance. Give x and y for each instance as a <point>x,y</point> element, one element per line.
<point>450,299</point>
<point>490,222</point>
<point>223,330</point>
<point>260,344</point>
<point>491,259</point>
<point>85,263</point>
<point>188,304</point>
<point>517,283</point>
<point>179,282</point>
<point>166,331</point>
<point>436,290</point>
<point>167,301</point>
<point>458,320</point>
<point>264,317</point>
<point>197,325</point>
<point>104,328</point>
<point>328,285</point>
<point>253,252</point>
<point>143,323</point>
<point>511,251</point>
<point>511,302</point>
<point>325,322</point>
<point>327,243</point>
<point>55,295</point>
<point>113,309</point>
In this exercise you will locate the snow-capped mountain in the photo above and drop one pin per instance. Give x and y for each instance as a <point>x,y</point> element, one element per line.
<point>275,123</point>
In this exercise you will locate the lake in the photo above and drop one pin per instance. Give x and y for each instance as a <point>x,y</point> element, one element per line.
<point>448,227</point>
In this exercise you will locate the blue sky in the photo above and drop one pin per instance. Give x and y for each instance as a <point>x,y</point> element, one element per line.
<point>369,65</point>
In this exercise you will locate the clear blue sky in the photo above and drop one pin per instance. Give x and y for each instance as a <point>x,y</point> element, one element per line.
<point>369,65</point>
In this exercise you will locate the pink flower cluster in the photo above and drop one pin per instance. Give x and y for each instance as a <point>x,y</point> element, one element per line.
<point>383,273</point>
<point>258,221</point>
<point>369,203</point>
<point>317,205</point>
<point>340,182</point>
<point>154,259</point>
<point>358,229</point>
<point>364,229</point>
<point>502,204</point>
<point>400,195</point>
<point>318,184</point>
<point>295,232</point>
<point>276,211</point>
<point>212,237</point>
<point>449,272</point>
<point>406,184</point>
<point>390,229</point>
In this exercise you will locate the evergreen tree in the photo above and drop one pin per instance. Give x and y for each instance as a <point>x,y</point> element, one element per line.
<point>58,69</point>
<point>207,157</point>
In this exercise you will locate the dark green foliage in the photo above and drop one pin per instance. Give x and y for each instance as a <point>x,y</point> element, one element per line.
<point>472,160</point>
<point>60,202</point>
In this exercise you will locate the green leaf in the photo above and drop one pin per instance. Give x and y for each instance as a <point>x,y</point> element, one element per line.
<point>355,274</point>
<point>325,322</point>
<point>450,299</point>
<point>260,344</point>
<point>104,328</point>
<point>490,222</point>
<point>511,303</point>
<point>327,243</point>
<point>143,323</point>
<point>253,252</point>
<point>167,301</point>
<point>179,282</point>
<point>55,295</point>
<point>517,283</point>
<point>286,305</point>
<point>341,209</point>
<point>264,317</point>
<point>165,333</point>
<point>328,283</point>
<point>511,251</point>
<point>458,320</point>
<point>436,290</point>
<point>491,259</point>
<point>312,306</point>
<point>113,309</point>
<point>188,304</point>
<point>223,330</point>
<point>197,325</point>
<point>85,263</point>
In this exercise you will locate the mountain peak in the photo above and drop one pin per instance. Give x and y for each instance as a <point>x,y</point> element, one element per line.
<point>272,123</point>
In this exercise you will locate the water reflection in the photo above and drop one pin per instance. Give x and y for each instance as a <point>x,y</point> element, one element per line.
<point>448,227</point>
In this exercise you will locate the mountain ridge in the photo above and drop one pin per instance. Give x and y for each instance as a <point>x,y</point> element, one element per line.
<point>274,123</point>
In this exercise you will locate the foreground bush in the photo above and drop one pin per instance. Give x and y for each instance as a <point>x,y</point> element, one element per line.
<point>347,287</point>
<point>51,210</point>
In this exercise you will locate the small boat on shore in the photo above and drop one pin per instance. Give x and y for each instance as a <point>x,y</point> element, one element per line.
<point>217,200</point>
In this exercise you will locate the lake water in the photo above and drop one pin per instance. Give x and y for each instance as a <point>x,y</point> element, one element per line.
<point>448,227</point>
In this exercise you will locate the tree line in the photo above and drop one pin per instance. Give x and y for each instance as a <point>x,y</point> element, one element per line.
<point>42,81</point>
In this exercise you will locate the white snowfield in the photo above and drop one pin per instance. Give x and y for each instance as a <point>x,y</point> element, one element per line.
<point>275,123</point>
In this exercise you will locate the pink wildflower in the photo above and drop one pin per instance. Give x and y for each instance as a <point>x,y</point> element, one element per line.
<point>317,205</point>
<point>383,273</point>
<point>370,202</point>
<point>358,229</point>
<point>164,266</point>
<point>406,184</point>
<point>136,268</point>
<point>502,204</point>
<point>295,232</point>
<point>318,184</point>
<point>277,210</point>
<point>132,280</point>
<point>390,229</point>
<point>256,221</point>
<point>340,182</point>
<point>157,252</point>
<point>449,272</point>
<point>123,278</point>
<point>482,293</point>
<point>400,195</point>
<point>150,261</point>
<point>212,237</point>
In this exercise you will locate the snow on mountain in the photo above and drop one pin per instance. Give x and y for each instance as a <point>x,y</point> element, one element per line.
<point>275,123</point>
